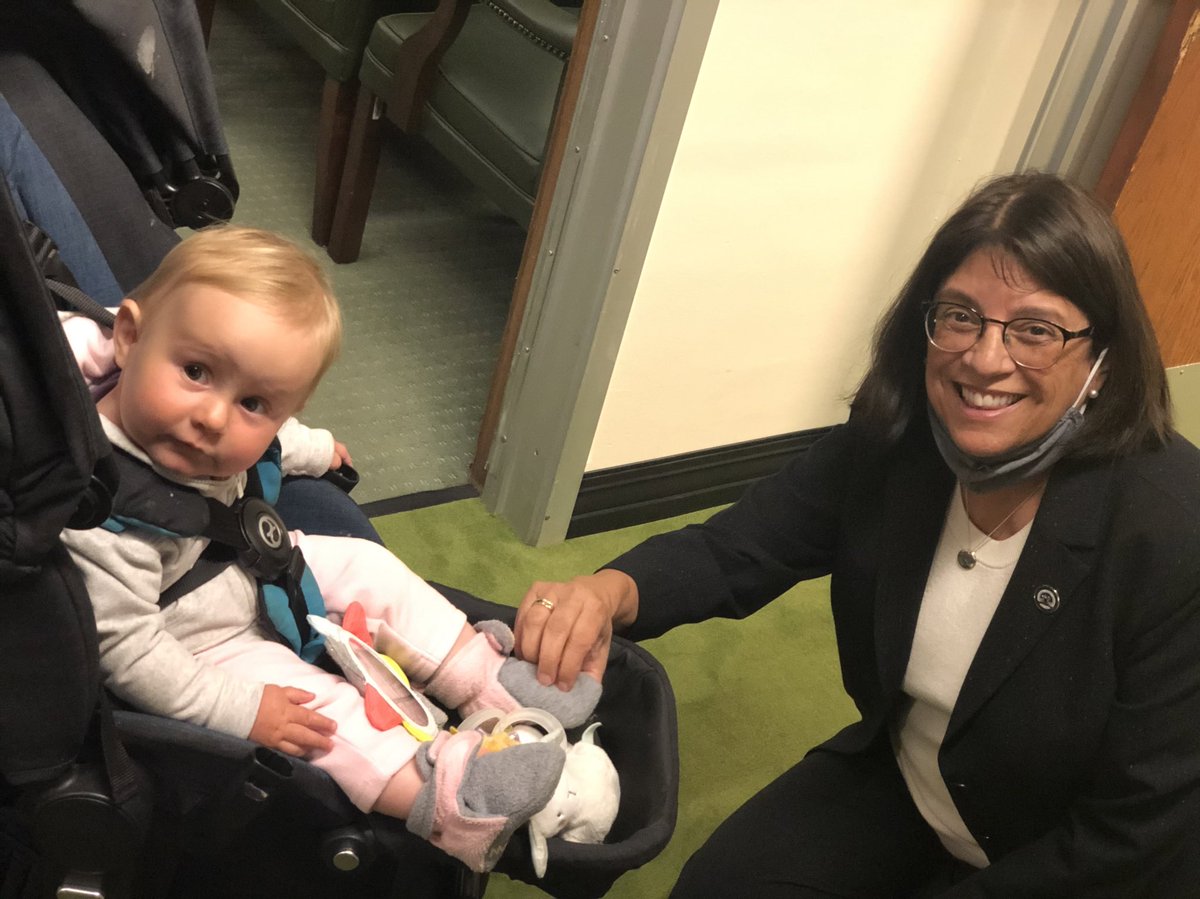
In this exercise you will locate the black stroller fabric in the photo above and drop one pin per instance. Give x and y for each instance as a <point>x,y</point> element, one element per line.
<point>56,741</point>
<point>130,236</point>
<point>50,445</point>
<point>138,70</point>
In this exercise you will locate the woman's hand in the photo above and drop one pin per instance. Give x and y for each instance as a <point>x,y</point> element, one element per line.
<point>284,723</point>
<point>567,627</point>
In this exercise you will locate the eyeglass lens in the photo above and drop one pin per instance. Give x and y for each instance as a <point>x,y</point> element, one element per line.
<point>1031,342</point>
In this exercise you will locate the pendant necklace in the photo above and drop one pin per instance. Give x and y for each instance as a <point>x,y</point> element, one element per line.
<point>967,557</point>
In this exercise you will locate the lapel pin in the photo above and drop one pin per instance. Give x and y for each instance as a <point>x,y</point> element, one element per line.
<point>1046,599</point>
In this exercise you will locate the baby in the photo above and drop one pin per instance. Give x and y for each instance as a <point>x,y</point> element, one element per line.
<point>217,351</point>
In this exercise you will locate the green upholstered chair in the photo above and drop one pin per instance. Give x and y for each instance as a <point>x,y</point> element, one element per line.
<point>478,81</point>
<point>334,33</point>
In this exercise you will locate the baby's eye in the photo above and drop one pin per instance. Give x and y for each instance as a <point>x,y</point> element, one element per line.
<point>254,404</point>
<point>194,371</point>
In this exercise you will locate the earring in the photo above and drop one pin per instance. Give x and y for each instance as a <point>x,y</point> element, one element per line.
<point>1093,394</point>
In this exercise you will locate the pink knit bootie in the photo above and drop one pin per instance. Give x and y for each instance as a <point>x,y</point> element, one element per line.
<point>483,675</point>
<point>471,803</point>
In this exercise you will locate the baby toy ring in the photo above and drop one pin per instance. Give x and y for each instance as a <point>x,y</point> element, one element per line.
<point>518,726</point>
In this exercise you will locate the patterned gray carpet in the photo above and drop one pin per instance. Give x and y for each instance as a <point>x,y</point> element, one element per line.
<point>426,302</point>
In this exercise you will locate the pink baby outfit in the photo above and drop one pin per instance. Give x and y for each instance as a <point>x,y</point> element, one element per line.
<point>205,659</point>
<point>362,759</point>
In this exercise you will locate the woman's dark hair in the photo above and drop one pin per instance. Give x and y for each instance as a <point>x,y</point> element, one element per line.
<point>1067,244</point>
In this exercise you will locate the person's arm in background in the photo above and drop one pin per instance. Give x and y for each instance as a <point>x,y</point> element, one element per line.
<point>42,200</point>
<point>309,503</point>
<point>309,451</point>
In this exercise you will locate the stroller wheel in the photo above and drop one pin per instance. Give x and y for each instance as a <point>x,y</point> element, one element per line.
<point>201,202</point>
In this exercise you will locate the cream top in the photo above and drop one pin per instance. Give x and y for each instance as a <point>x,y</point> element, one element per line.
<point>955,612</point>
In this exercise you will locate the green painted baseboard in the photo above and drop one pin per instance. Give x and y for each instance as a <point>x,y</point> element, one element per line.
<point>661,488</point>
<point>1184,381</point>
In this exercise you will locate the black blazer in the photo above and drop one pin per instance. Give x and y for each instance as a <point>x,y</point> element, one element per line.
<point>1073,753</point>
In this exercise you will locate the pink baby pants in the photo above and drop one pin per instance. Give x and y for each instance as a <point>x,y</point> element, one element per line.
<point>348,570</point>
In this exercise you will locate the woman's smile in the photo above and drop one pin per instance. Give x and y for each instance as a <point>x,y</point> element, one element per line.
<point>986,400</point>
<point>988,404</point>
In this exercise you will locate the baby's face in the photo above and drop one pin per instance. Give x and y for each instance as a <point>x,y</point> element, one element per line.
<point>208,380</point>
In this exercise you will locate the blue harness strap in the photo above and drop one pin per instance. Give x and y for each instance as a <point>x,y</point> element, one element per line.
<point>249,533</point>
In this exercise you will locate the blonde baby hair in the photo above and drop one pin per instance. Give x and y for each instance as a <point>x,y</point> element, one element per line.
<point>259,267</point>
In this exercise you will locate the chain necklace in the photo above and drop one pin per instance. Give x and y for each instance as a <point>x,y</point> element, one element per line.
<point>967,557</point>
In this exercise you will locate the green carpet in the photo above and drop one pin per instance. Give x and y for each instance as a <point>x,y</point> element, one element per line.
<point>752,696</point>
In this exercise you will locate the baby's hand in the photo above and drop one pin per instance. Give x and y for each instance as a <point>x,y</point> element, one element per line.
<point>341,455</point>
<point>284,723</point>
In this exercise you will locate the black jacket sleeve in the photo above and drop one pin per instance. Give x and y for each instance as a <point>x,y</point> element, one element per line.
<point>783,530</point>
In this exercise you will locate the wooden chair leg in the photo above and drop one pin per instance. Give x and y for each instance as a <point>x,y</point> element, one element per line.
<point>358,181</point>
<point>333,135</point>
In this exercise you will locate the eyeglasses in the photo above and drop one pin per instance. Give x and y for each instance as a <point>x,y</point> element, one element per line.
<point>1031,342</point>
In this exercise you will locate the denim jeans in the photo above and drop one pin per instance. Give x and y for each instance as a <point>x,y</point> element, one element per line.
<point>40,198</point>
<point>316,506</point>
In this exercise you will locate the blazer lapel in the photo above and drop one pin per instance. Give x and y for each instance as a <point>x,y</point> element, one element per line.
<point>1058,554</point>
<point>914,501</point>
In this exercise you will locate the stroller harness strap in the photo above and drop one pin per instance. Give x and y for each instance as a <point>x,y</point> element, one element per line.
<point>248,533</point>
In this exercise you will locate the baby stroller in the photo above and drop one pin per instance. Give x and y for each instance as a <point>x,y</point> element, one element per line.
<point>102,802</point>
<point>194,812</point>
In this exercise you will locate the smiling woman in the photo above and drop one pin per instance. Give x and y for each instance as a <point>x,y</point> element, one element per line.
<point>1013,534</point>
<point>987,401</point>
<point>1033,246</point>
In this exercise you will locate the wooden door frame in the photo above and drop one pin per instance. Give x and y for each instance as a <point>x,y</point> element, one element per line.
<point>1096,77</point>
<point>581,267</point>
<point>1146,101</point>
<point>556,147</point>
<point>1151,185</point>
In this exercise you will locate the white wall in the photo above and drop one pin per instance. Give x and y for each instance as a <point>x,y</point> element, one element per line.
<point>823,144</point>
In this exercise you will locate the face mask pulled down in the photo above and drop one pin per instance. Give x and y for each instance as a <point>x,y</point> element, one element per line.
<point>1022,462</point>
